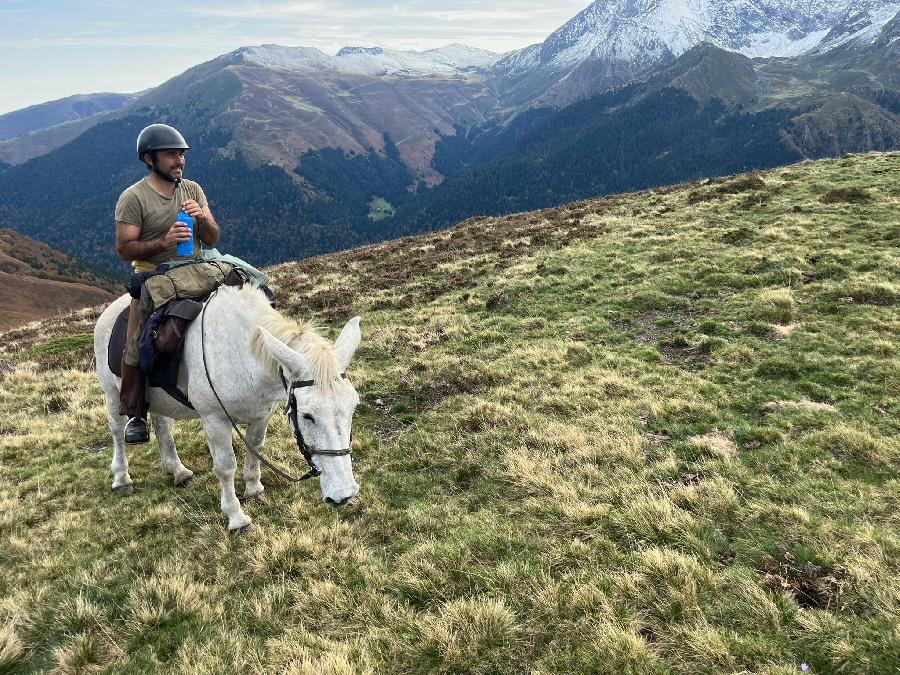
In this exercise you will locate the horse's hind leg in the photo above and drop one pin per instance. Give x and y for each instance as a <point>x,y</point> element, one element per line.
<point>168,455</point>
<point>122,483</point>
<point>256,435</point>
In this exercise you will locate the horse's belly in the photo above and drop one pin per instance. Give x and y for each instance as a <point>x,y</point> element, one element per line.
<point>163,404</point>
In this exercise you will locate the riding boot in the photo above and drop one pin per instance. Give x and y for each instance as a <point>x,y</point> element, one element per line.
<point>133,402</point>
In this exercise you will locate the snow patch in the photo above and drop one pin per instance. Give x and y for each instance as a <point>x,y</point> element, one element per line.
<point>780,44</point>
<point>450,61</point>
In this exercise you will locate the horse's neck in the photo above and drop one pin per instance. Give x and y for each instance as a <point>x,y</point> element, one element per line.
<point>227,335</point>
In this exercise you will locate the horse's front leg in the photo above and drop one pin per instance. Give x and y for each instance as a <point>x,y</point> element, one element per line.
<point>256,436</point>
<point>168,455</point>
<point>218,436</point>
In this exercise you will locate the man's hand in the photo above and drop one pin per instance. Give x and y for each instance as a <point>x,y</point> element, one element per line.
<point>178,233</point>
<point>192,208</point>
<point>207,229</point>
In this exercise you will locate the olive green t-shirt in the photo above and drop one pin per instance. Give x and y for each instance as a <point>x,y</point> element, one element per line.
<point>143,206</point>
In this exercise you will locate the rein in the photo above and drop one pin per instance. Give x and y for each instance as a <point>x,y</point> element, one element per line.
<point>290,410</point>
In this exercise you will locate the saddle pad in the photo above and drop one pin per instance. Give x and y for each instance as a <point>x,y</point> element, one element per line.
<point>117,342</point>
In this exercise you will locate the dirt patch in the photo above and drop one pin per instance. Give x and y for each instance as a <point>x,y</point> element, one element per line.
<point>798,405</point>
<point>665,330</point>
<point>720,442</point>
<point>683,480</point>
<point>656,437</point>
<point>811,585</point>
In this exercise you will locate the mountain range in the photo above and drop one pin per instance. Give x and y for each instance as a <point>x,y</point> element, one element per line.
<point>39,129</point>
<point>613,42</point>
<point>303,152</point>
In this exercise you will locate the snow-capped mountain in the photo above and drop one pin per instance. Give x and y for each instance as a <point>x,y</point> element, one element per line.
<point>613,41</point>
<point>861,26</point>
<point>449,61</point>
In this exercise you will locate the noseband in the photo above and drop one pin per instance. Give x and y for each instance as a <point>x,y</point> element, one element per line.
<point>291,411</point>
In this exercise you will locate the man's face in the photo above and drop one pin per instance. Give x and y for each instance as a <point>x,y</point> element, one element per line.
<point>170,163</point>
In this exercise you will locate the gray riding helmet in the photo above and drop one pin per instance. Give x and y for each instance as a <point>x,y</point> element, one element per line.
<point>159,137</point>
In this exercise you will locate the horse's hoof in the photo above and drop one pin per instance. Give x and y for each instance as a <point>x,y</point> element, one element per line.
<point>243,529</point>
<point>124,490</point>
<point>183,479</point>
<point>255,497</point>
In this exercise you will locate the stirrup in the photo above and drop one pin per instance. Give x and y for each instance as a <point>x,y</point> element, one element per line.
<point>136,432</point>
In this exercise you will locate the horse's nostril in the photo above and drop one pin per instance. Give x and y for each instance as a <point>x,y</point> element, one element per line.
<point>335,503</point>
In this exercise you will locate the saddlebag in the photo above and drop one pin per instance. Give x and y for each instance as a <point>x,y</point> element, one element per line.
<point>178,314</point>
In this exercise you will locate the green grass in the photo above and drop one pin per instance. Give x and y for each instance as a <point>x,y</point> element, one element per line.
<point>380,208</point>
<point>61,345</point>
<point>651,433</point>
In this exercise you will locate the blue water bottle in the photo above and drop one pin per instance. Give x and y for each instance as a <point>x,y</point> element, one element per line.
<point>186,247</point>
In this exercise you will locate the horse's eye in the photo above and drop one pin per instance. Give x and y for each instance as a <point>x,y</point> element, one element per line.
<point>309,417</point>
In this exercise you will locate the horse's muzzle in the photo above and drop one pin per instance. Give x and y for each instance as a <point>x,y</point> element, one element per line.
<point>334,503</point>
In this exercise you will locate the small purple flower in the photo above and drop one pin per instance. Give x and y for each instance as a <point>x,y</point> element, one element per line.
<point>804,667</point>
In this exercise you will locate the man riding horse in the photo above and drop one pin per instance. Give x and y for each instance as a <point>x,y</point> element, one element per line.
<point>147,234</point>
<point>237,363</point>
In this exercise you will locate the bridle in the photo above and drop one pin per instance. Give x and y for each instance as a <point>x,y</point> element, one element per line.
<point>291,411</point>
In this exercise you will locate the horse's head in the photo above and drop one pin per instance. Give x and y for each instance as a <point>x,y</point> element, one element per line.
<point>323,400</point>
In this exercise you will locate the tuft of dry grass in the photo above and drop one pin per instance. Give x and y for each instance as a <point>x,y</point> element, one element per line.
<point>856,445</point>
<point>720,442</point>
<point>798,405</point>
<point>11,646</point>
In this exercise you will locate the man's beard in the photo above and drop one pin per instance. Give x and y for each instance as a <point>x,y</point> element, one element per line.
<point>166,177</point>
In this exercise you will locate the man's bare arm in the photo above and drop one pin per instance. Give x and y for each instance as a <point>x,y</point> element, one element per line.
<point>130,247</point>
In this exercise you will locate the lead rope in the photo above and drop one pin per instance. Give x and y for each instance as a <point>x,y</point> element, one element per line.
<point>313,471</point>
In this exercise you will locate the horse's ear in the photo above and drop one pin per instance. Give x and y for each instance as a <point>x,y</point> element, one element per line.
<point>347,342</point>
<point>291,361</point>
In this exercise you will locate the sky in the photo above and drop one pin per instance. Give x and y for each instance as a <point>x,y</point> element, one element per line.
<point>56,48</point>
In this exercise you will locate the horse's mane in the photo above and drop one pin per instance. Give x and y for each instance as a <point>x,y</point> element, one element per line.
<point>300,336</point>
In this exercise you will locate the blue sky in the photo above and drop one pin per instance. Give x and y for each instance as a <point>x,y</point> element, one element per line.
<point>55,48</point>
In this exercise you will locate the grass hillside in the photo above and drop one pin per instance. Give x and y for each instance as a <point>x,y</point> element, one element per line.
<point>37,281</point>
<point>25,257</point>
<point>645,434</point>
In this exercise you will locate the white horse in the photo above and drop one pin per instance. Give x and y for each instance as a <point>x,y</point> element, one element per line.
<point>251,351</point>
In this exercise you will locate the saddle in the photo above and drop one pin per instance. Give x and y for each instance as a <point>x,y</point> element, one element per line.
<point>161,345</point>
